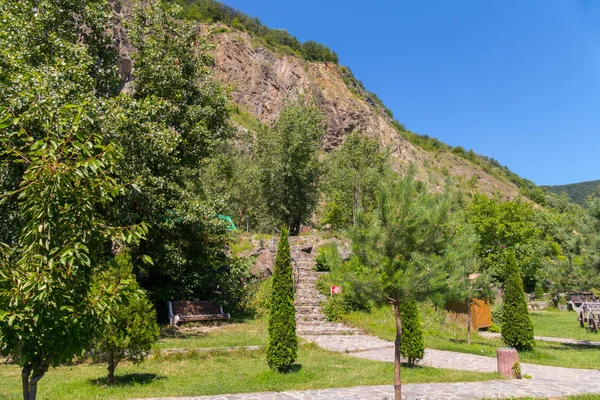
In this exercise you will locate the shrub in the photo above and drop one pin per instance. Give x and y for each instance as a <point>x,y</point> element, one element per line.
<point>283,343</point>
<point>336,307</point>
<point>517,329</point>
<point>497,314</point>
<point>132,329</point>
<point>328,257</point>
<point>261,300</point>
<point>412,347</point>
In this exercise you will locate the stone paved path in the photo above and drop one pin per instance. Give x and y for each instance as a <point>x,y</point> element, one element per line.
<point>548,339</point>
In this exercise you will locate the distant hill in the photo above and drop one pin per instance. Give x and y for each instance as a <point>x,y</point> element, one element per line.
<point>578,192</point>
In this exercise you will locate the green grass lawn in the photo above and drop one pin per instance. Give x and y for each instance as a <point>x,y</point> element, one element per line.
<point>248,333</point>
<point>561,324</point>
<point>380,322</point>
<point>218,373</point>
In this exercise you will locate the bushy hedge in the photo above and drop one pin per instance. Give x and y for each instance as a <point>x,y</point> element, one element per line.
<point>517,329</point>
<point>283,343</point>
<point>413,346</point>
<point>328,257</point>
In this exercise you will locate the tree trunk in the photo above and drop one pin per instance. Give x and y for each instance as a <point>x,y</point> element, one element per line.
<point>295,227</point>
<point>30,385</point>
<point>469,321</point>
<point>25,372</point>
<point>397,355</point>
<point>112,364</point>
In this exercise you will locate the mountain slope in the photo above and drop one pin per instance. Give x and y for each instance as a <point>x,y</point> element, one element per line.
<point>577,192</point>
<point>262,80</point>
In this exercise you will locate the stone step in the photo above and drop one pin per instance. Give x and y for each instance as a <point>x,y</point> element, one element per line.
<point>301,318</point>
<point>307,302</point>
<point>308,309</point>
<point>322,329</point>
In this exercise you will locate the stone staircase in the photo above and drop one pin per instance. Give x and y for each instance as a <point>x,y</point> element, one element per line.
<point>310,317</point>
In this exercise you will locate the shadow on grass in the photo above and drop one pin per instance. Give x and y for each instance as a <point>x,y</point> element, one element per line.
<point>294,369</point>
<point>129,379</point>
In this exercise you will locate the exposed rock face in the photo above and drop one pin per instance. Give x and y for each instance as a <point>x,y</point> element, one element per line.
<point>262,82</point>
<point>302,248</point>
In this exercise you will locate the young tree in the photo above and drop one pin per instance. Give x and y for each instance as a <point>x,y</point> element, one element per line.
<point>352,175</point>
<point>407,249</point>
<point>132,328</point>
<point>49,308</point>
<point>413,346</point>
<point>289,167</point>
<point>502,225</point>
<point>283,343</point>
<point>517,329</point>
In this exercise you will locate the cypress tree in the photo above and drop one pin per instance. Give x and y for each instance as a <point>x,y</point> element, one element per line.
<point>412,347</point>
<point>517,329</point>
<point>283,343</point>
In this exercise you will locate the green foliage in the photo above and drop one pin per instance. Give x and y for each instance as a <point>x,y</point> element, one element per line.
<point>507,225</point>
<point>517,328</point>
<point>497,314</point>
<point>283,343</point>
<point>328,257</point>
<point>577,192</point>
<point>289,168</point>
<point>213,11</point>
<point>336,307</point>
<point>51,305</point>
<point>132,327</point>
<point>411,244</point>
<point>413,346</point>
<point>409,248</point>
<point>261,300</point>
<point>350,184</point>
<point>352,298</point>
<point>180,119</point>
<point>313,51</point>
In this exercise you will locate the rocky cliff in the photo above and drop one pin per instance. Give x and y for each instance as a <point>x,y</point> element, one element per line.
<point>261,81</point>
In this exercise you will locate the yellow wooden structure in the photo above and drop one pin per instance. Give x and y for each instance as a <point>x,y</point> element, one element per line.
<point>481,313</point>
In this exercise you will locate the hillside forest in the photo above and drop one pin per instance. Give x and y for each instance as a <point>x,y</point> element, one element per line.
<point>114,189</point>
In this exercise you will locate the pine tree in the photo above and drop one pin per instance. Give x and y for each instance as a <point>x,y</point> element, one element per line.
<point>283,343</point>
<point>517,329</point>
<point>412,347</point>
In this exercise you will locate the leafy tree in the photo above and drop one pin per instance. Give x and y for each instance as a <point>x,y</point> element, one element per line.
<point>289,167</point>
<point>408,248</point>
<point>350,183</point>
<point>50,56</point>
<point>413,346</point>
<point>502,225</point>
<point>283,343</point>
<point>50,303</point>
<point>180,118</point>
<point>132,328</point>
<point>517,329</point>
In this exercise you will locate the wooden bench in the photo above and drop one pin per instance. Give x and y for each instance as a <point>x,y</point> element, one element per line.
<point>183,311</point>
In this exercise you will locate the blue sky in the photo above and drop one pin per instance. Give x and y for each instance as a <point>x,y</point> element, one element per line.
<point>516,80</point>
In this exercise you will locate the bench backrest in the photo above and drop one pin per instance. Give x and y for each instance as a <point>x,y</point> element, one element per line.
<point>595,306</point>
<point>195,308</point>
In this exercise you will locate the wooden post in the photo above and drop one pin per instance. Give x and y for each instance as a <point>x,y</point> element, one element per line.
<point>507,358</point>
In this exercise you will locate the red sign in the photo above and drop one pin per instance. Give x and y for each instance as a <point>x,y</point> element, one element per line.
<point>336,290</point>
